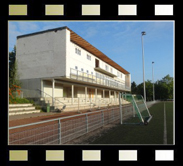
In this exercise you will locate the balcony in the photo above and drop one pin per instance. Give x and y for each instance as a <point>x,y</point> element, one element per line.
<point>99,79</point>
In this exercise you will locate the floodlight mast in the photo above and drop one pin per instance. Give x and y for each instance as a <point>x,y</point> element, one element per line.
<point>143,33</point>
<point>153,81</point>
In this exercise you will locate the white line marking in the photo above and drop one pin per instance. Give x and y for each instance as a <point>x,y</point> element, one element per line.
<point>165,129</point>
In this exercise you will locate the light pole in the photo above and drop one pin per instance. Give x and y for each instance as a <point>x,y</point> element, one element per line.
<point>153,81</point>
<point>143,33</point>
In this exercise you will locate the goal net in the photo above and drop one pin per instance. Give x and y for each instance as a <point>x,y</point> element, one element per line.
<point>141,112</point>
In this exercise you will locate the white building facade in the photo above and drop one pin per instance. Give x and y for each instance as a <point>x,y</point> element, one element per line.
<point>62,64</point>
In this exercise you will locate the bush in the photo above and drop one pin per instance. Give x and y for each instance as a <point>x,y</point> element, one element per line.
<point>18,101</point>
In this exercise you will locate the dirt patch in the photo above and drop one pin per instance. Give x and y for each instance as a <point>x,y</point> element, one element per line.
<point>93,135</point>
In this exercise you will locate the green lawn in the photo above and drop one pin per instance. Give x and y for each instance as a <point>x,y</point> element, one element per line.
<point>141,134</point>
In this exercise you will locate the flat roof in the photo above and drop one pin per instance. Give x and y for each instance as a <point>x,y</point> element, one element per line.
<point>75,38</point>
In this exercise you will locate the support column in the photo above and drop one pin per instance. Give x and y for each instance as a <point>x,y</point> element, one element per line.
<point>85,94</point>
<point>42,89</point>
<point>53,90</point>
<point>72,94</point>
<point>103,93</point>
<point>95,95</point>
<point>115,96</point>
<point>109,95</point>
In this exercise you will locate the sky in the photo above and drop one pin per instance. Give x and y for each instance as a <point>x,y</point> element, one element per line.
<point>121,41</point>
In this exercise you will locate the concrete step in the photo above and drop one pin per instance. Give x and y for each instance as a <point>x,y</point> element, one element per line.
<point>23,112</point>
<point>20,105</point>
<point>21,108</point>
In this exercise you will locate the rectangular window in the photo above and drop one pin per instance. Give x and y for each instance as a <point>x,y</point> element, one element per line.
<point>87,71</point>
<point>121,75</point>
<point>82,69</point>
<point>76,67</point>
<point>77,51</point>
<point>92,73</point>
<point>88,57</point>
<point>106,67</point>
<point>96,63</point>
<point>111,69</point>
<point>117,73</point>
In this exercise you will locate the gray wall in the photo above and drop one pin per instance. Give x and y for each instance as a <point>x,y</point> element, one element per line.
<point>29,87</point>
<point>42,55</point>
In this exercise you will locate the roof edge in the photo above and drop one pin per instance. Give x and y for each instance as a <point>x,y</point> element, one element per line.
<point>35,33</point>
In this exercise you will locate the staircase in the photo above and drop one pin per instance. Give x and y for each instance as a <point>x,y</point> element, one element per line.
<point>83,104</point>
<point>19,109</point>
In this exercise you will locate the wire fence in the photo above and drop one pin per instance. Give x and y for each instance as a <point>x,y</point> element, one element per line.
<point>62,130</point>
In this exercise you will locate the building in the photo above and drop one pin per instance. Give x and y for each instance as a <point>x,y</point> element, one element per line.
<point>63,65</point>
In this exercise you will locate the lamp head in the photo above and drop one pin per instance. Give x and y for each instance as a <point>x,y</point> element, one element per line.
<point>143,33</point>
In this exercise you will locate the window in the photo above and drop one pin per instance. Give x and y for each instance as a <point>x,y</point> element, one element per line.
<point>96,63</point>
<point>88,57</point>
<point>106,67</point>
<point>77,51</point>
<point>121,75</point>
<point>76,67</point>
<point>92,73</point>
<point>87,71</point>
<point>111,69</point>
<point>82,69</point>
<point>118,73</point>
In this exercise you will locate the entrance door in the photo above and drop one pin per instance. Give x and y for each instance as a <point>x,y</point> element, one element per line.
<point>91,93</point>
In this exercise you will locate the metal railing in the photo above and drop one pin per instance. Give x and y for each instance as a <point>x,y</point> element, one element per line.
<point>41,98</point>
<point>54,99</point>
<point>65,129</point>
<point>98,79</point>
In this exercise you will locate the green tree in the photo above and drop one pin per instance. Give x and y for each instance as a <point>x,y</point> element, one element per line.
<point>133,87</point>
<point>164,88</point>
<point>13,74</point>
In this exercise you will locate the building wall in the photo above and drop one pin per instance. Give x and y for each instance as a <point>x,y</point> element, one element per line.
<point>81,61</point>
<point>42,55</point>
<point>47,88</point>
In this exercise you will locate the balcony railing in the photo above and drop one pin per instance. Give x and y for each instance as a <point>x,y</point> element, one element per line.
<point>98,78</point>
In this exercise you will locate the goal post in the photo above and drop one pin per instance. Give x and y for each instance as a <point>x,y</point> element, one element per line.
<point>142,114</point>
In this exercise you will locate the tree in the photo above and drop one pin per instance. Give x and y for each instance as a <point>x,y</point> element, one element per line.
<point>13,75</point>
<point>133,87</point>
<point>163,88</point>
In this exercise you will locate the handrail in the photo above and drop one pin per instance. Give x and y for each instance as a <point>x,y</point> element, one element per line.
<point>64,105</point>
<point>105,78</point>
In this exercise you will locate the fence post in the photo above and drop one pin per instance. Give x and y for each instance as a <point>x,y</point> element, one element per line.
<point>87,123</point>
<point>113,113</point>
<point>90,103</point>
<point>78,104</point>
<point>59,131</point>
<point>102,118</point>
<point>120,108</point>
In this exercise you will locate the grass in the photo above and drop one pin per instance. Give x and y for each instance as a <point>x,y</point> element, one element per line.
<point>143,134</point>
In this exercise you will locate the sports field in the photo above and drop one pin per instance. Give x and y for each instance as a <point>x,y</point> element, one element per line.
<point>153,133</point>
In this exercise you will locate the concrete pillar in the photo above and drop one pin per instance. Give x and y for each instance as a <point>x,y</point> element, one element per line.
<point>109,95</point>
<point>42,89</point>
<point>85,94</point>
<point>115,96</point>
<point>103,93</point>
<point>95,94</point>
<point>53,90</point>
<point>72,94</point>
